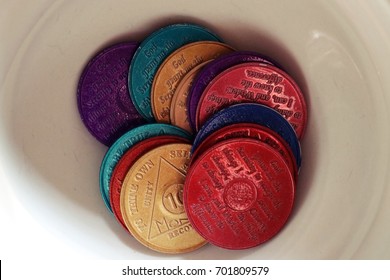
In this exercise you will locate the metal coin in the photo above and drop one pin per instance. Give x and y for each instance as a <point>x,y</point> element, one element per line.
<point>258,83</point>
<point>251,113</point>
<point>102,94</point>
<point>174,68</point>
<point>252,131</point>
<point>127,160</point>
<point>115,152</point>
<point>178,112</point>
<point>152,52</point>
<point>211,70</point>
<point>152,201</point>
<point>239,193</point>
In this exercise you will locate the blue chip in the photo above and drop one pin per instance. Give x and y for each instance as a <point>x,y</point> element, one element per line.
<point>129,139</point>
<point>152,52</point>
<point>251,113</point>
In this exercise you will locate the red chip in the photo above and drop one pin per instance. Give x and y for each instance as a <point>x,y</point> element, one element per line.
<point>253,131</point>
<point>127,160</point>
<point>257,83</point>
<point>239,193</point>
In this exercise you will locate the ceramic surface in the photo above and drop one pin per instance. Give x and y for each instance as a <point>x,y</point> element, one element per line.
<point>338,52</point>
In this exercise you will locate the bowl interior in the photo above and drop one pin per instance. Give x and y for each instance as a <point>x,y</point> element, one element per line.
<point>52,163</point>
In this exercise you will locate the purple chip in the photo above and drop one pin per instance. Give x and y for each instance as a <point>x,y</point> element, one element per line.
<point>211,70</point>
<point>102,95</point>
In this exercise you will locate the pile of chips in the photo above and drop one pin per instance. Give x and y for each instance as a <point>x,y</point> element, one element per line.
<point>203,139</point>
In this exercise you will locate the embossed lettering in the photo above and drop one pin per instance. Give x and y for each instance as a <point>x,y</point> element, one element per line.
<point>100,94</point>
<point>165,225</point>
<point>165,112</point>
<point>276,166</point>
<point>179,154</point>
<point>230,157</point>
<point>143,88</point>
<point>266,210</point>
<point>177,232</point>
<point>256,216</point>
<point>284,112</point>
<point>270,195</point>
<point>171,82</point>
<point>279,99</point>
<point>263,86</point>
<point>198,210</point>
<point>220,206</point>
<point>150,51</point>
<point>180,61</point>
<point>148,194</point>
<point>219,100</point>
<point>154,63</point>
<point>263,167</point>
<point>246,84</point>
<point>230,221</point>
<point>212,175</point>
<point>249,95</point>
<point>132,199</point>
<point>224,172</point>
<point>209,208</point>
<point>248,162</point>
<point>270,78</point>
<point>143,170</point>
<point>197,60</point>
<point>139,223</point>
<point>206,188</point>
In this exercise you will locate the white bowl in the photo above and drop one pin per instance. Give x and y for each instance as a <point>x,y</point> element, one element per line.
<point>338,51</point>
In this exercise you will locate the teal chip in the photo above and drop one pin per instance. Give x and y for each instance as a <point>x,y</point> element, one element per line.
<point>152,52</point>
<point>124,143</point>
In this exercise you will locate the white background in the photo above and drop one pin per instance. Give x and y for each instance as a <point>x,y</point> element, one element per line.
<point>50,206</point>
